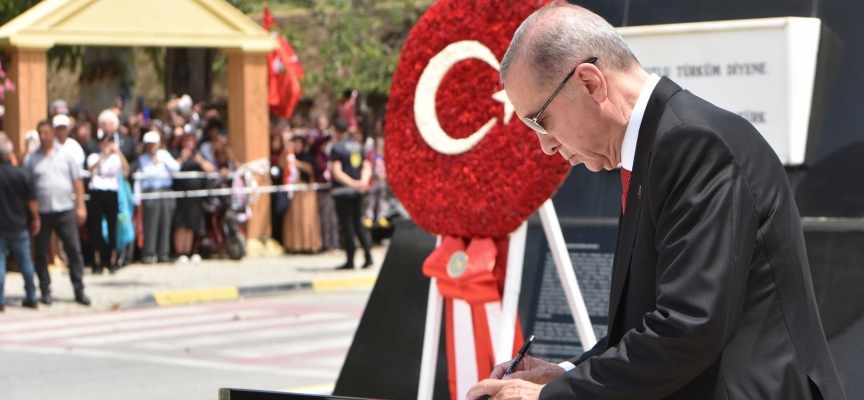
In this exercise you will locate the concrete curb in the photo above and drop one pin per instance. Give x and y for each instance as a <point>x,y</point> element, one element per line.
<point>178,297</point>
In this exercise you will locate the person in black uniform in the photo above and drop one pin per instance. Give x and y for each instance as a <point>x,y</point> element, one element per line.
<point>351,175</point>
<point>16,198</point>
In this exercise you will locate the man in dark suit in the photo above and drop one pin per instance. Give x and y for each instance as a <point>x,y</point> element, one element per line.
<point>711,293</point>
<point>109,123</point>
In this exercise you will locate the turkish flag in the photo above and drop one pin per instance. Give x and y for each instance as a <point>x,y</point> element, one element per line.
<point>285,73</point>
<point>267,20</point>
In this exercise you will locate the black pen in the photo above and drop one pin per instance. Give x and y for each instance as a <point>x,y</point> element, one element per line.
<point>519,355</point>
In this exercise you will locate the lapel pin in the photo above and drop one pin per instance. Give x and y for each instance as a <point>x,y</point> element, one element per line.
<point>639,193</point>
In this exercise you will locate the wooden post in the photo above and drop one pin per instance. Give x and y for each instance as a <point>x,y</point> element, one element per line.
<point>248,118</point>
<point>249,125</point>
<point>28,104</point>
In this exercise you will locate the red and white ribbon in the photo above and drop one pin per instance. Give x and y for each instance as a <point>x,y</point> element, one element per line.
<point>471,280</point>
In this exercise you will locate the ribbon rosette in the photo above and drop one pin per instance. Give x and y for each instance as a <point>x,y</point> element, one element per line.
<point>465,273</point>
<point>471,280</point>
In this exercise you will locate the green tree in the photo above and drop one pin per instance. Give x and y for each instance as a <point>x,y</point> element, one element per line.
<point>363,44</point>
<point>244,5</point>
<point>9,9</point>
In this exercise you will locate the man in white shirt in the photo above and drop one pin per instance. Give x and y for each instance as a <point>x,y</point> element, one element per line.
<point>61,123</point>
<point>60,196</point>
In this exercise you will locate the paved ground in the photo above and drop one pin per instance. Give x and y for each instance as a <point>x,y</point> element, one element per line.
<point>294,342</point>
<point>109,292</point>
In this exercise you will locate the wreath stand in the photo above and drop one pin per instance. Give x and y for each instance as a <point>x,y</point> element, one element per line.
<point>512,287</point>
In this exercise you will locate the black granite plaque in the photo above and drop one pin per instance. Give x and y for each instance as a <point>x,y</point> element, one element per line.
<point>546,313</point>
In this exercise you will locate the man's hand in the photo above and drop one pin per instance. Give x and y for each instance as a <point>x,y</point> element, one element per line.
<point>81,213</point>
<point>360,187</point>
<point>511,389</point>
<point>529,376</point>
<point>529,369</point>
<point>35,226</point>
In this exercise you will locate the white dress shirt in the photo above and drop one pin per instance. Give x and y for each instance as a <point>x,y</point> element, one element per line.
<point>74,149</point>
<point>628,147</point>
<point>631,135</point>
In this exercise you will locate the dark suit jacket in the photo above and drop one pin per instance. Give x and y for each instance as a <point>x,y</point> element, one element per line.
<point>127,146</point>
<point>711,292</point>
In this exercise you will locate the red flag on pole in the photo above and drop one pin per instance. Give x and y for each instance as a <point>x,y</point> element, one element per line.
<point>267,20</point>
<point>285,72</point>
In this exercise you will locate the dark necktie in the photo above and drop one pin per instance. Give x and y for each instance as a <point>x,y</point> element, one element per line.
<point>625,184</point>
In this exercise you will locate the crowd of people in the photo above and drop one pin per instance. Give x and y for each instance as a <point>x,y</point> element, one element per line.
<point>349,163</point>
<point>75,156</point>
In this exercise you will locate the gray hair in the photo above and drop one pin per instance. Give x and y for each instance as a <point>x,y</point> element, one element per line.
<point>108,115</point>
<point>556,38</point>
<point>6,147</point>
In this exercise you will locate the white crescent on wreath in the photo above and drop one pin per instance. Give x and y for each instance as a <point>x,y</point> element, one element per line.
<point>425,114</point>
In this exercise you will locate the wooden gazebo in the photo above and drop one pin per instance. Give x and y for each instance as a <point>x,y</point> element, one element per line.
<point>156,23</point>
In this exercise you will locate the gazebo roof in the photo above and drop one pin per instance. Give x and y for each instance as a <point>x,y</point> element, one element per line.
<point>170,23</point>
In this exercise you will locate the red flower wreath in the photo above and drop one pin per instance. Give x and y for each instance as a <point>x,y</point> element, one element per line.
<point>492,188</point>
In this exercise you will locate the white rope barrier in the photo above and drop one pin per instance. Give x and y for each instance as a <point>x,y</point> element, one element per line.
<point>176,175</point>
<point>297,187</point>
<point>291,188</point>
<point>260,166</point>
<point>245,171</point>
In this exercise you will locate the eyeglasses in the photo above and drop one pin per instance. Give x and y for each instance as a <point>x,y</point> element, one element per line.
<point>532,122</point>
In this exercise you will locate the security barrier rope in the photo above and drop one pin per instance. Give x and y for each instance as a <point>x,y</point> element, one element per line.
<point>245,171</point>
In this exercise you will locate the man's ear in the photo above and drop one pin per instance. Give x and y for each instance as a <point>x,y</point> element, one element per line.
<point>593,81</point>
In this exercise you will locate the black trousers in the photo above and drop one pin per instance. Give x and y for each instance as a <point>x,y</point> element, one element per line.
<point>103,203</point>
<point>349,211</point>
<point>66,225</point>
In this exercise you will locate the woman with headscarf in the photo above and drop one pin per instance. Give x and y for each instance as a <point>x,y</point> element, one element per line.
<point>301,228</point>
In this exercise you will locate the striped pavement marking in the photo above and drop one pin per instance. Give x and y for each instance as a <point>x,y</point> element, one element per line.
<point>223,325</point>
<point>30,336</point>
<point>219,338</point>
<point>181,362</point>
<point>306,338</point>
<point>47,323</point>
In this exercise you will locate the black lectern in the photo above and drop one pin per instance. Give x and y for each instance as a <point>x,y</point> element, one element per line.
<point>246,394</point>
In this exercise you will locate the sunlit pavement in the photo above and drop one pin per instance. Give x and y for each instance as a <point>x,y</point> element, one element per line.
<point>297,341</point>
<point>109,292</point>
